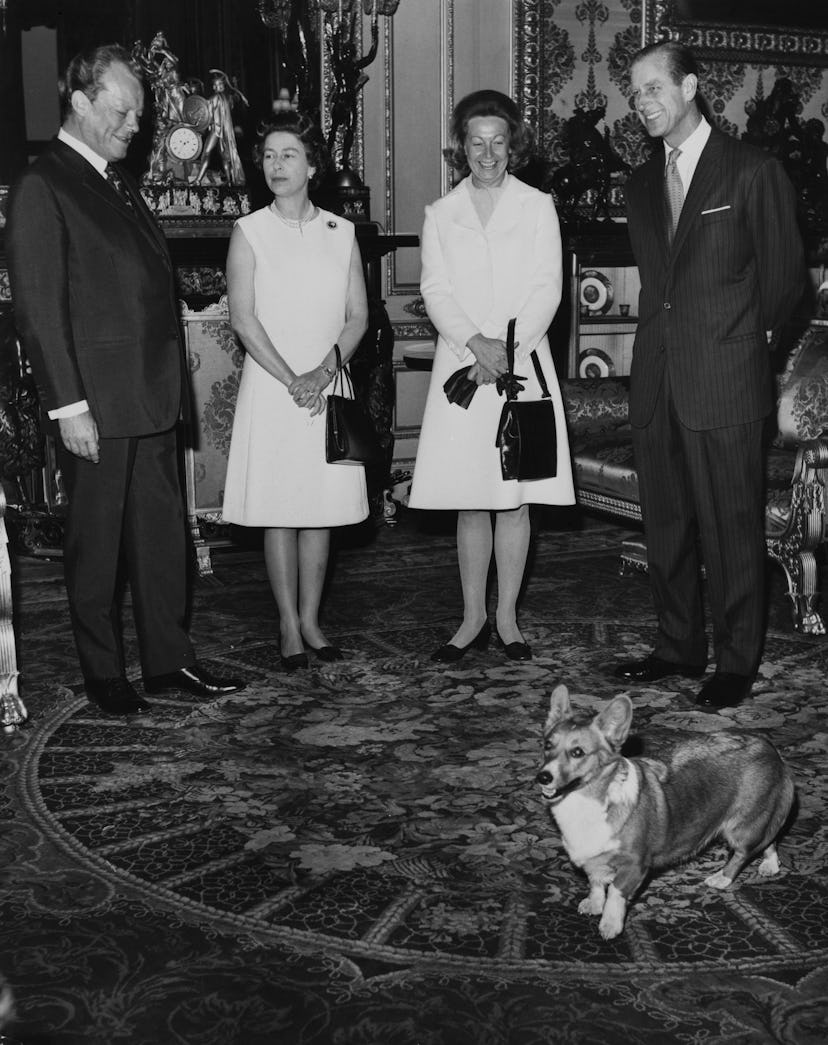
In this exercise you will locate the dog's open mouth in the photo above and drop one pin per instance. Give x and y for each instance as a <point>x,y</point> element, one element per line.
<point>555,794</point>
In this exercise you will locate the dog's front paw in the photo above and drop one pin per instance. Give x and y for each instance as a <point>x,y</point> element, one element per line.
<point>611,925</point>
<point>718,881</point>
<point>592,904</point>
<point>612,920</point>
<point>770,863</point>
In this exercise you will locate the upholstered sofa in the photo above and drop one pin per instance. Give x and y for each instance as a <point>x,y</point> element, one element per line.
<point>796,520</point>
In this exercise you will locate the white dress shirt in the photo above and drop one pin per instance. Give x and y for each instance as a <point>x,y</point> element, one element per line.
<point>691,150</point>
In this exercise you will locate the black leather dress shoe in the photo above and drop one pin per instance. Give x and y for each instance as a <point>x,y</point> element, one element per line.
<point>449,653</point>
<point>653,668</point>
<point>516,650</point>
<point>115,696</point>
<point>724,689</point>
<point>195,680</point>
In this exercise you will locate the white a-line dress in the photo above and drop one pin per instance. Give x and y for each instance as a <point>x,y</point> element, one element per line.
<point>474,279</point>
<point>276,470</point>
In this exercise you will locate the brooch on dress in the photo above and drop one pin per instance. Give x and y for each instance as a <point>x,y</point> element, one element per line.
<point>332,225</point>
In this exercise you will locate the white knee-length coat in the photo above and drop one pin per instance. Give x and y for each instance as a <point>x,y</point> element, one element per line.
<point>474,279</point>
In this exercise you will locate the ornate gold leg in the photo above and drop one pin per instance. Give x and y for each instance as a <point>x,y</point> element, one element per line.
<point>794,549</point>
<point>12,709</point>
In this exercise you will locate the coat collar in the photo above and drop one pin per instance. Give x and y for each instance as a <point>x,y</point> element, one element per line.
<point>506,213</point>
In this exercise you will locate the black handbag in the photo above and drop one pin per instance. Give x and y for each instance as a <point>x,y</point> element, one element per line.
<point>527,434</point>
<point>350,437</point>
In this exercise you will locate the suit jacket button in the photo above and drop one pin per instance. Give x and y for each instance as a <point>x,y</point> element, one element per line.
<point>667,306</point>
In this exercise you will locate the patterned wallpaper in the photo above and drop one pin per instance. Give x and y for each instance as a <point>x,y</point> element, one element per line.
<point>584,50</point>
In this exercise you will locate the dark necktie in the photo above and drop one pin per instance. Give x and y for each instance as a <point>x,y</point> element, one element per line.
<point>117,183</point>
<point>674,190</point>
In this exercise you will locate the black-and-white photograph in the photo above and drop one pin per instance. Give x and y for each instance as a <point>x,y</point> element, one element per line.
<point>413,522</point>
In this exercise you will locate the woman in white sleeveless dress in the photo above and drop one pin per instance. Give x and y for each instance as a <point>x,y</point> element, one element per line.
<point>491,250</point>
<point>295,290</point>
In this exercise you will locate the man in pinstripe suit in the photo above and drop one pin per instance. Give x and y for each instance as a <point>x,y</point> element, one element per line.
<point>713,229</point>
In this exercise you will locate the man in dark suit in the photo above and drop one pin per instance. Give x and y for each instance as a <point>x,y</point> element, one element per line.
<point>713,229</point>
<point>92,288</point>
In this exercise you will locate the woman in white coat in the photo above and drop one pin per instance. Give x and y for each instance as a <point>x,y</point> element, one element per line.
<point>491,250</point>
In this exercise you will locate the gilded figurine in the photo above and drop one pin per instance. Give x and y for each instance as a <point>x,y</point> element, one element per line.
<point>220,132</point>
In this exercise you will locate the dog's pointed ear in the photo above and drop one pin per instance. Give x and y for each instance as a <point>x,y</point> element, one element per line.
<point>559,706</point>
<point>615,720</point>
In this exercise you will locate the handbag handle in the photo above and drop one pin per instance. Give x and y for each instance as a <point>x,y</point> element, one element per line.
<point>510,359</point>
<point>342,378</point>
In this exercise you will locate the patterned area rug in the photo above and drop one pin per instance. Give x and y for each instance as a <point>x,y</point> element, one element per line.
<point>358,854</point>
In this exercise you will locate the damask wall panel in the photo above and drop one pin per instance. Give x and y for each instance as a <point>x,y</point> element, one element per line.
<point>577,55</point>
<point>585,49</point>
<point>214,358</point>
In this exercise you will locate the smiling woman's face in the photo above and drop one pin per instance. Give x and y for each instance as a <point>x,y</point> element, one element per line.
<point>487,149</point>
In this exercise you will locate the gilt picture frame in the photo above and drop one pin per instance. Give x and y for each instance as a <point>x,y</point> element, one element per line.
<point>759,32</point>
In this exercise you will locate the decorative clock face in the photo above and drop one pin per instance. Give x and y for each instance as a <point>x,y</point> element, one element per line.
<point>183,142</point>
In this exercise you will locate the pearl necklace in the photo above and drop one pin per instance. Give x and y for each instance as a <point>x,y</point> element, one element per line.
<point>293,223</point>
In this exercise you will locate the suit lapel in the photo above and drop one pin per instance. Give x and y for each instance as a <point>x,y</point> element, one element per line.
<point>705,177</point>
<point>138,213</point>
<point>141,213</point>
<point>96,184</point>
<point>655,204</point>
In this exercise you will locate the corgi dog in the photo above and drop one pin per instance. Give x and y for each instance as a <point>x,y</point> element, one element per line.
<point>620,818</point>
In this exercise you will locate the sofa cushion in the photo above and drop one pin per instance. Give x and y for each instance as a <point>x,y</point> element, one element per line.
<point>601,439</point>
<point>604,464</point>
<point>596,404</point>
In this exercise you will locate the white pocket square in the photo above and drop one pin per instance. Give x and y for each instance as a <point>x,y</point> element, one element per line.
<point>715,210</point>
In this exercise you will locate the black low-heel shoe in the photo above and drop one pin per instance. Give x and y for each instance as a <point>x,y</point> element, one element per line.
<point>516,650</point>
<point>294,661</point>
<point>449,653</point>
<point>327,653</point>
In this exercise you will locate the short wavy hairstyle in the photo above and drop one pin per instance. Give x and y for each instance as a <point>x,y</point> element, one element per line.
<point>88,68</point>
<point>303,128</point>
<point>488,103</point>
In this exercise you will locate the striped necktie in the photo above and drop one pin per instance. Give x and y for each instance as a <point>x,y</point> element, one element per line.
<point>117,182</point>
<point>674,190</point>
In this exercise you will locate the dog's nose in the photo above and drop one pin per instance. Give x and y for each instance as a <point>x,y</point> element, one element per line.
<point>544,777</point>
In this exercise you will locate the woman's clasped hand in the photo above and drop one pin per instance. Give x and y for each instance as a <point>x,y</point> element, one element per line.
<point>306,390</point>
